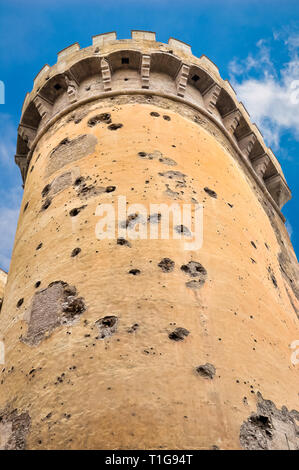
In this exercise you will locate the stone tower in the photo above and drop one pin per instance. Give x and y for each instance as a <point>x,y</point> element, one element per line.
<point>141,344</point>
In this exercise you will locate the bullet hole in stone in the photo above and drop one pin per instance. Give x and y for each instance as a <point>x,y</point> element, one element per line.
<point>57,86</point>
<point>210,192</point>
<point>230,205</point>
<point>178,334</point>
<point>20,302</point>
<point>32,168</point>
<point>167,161</point>
<point>253,244</point>
<point>75,252</point>
<point>125,60</point>
<point>86,192</point>
<point>78,181</point>
<point>154,114</point>
<point>207,371</point>
<point>142,154</point>
<point>107,326</point>
<point>195,78</point>
<point>26,206</point>
<point>196,270</point>
<point>266,246</point>
<point>174,175</point>
<point>132,220</point>
<point>39,246</point>
<point>273,278</point>
<point>46,190</point>
<point>69,151</point>
<point>123,241</point>
<point>110,189</point>
<point>253,261</point>
<point>37,284</point>
<point>182,229</point>
<point>270,428</point>
<point>167,265</point>
<point>104,117</point>
<point>154,218</point>
<point>114,127</point>
<point>167,118</point>
<point>133,328</point>
<point>14,428</point>
<point>134,272</point>
<point>46,204</point>
<point>74,212</point>
<point>52,307</point>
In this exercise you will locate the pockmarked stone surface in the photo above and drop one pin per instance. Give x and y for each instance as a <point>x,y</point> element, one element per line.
<point>137,343</point>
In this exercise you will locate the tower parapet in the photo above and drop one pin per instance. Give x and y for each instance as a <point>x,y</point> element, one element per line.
<point>142,66</point>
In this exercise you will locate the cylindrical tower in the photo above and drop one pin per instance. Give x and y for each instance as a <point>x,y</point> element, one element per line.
<point>125,343</point>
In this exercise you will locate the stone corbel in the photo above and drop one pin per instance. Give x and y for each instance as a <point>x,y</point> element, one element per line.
<point>246,144</point>
<point>145,70</point>
<point>260,164</point>
<point>231,120</point>
<point>27,133</point>
<point>210,97</point>
<point>21,161</point>
<point>278,189</point>
<point>72,87</point>
<point>106,74</point>
<point>43,106</point>
<point>182,80</point>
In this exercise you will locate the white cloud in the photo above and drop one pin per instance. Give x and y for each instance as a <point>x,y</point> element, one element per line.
<point>289,228</point>
<point>267,93</point>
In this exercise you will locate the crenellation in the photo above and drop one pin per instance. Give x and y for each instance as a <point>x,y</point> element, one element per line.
<point>173,72</point>
<point>41,74</point>
<point>138,35</point>
<point>100,39</point>
<point>180,45</point>
<point>68,51</point>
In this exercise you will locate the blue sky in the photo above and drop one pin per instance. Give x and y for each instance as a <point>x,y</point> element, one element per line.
<point>254,43</point>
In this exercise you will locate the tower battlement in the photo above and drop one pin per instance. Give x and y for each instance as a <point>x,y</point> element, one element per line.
<point>142,66</point>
